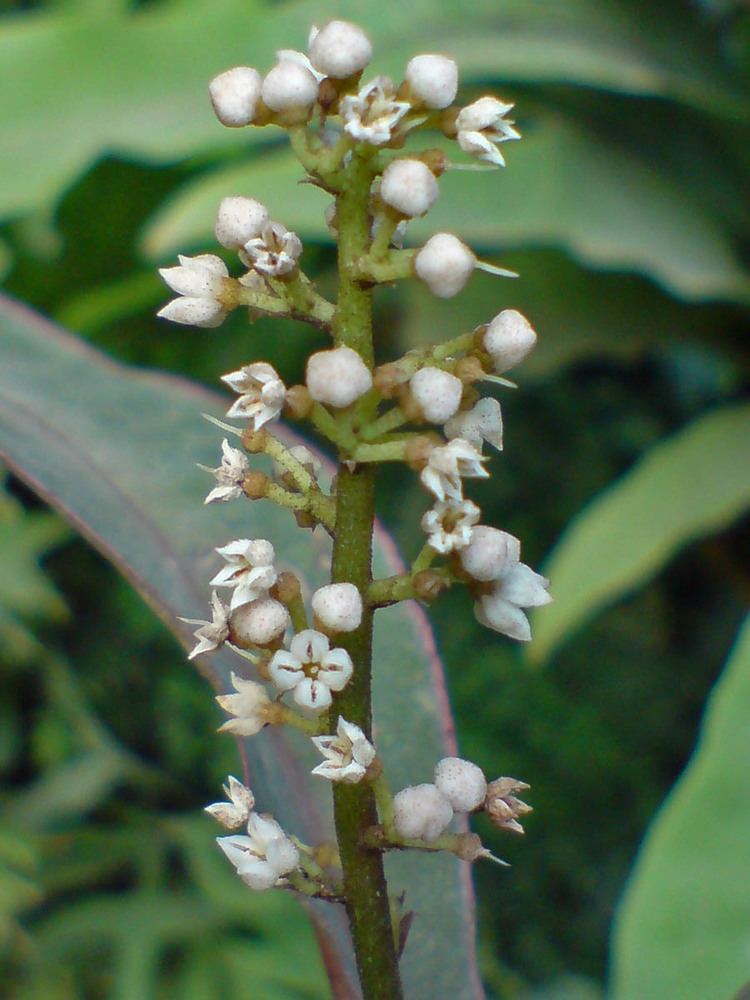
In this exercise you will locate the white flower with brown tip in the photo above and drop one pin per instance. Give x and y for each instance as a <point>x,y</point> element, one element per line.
<point>229,476</point>
<point>261,391</point>
<point>236,812</point>
<point>347,755</point>
<point>311,670</point>
<point>248,707</point>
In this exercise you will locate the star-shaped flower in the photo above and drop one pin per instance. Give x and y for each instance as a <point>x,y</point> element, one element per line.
<point>372,114</point>
<point>249,571</point>
<point>310,669</point>
<point>236,812</point>
<point>347,755</point>
<point>483,422</point>
<point>262,393</point>
<point>199,282</point>
<point>264,855</point>
<point>211,635</point>
<point>501,608</point>
<point>448,464</point>
<point>449,524</point>
<point>248,706</point>
<point>482,126</point>
<point>230,475</point>
<point>275,252</point>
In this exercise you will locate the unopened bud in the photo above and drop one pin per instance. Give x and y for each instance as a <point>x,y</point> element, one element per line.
<point>298,402</point>
<point>340,49</point>
<point>239,220</point>
<point>235,94</point>
<point>468,847</point>
<point>287,588</point>
<point>409,186</point>
<point>258,623</point>
<point>429,584</point>
<point>461,782</point>
<point>254,441</point>
<point>437,394</point>
<point>509,338</point>
<point>337,377</point>
<point>388,379</point>
<point>444,264</point>
<point>490,553</point>
<point>421,812</point>
<point>255,485</point>
<point>289,86</point>
<point>433,80</point>
<point>337,607</point>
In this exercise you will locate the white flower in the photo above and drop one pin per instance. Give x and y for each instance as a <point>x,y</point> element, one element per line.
<point>230,475</point>
<point>447,464</point>
<point>409,186</point>
<point>482,127</point>
<point>502,805</point>
<point>501,610</point>
<point>259,623</point>
<point>289,86</point>
<point>262,393</point>
<point>483,422</point>
<point>433,80</point>
<point>449,524</point>
<point>338,607</point>
<point>347,755</point>
<point>238,220</point>
<point>264,855</point>
<point>248,706</point>
<point>199,282</point>
<point>249,570</point>
<point>373,113</point>
<point>490,554</point>
<point>236,812</point>
<point>340,49</point>
<point>234,95</point>
<point>211,635</point>
<point>461,782</point>
<point>509,338</point>
<point>437,393</point>
<point>275,252</point>
<point>421,812</point>
<point>337,377</point>
<point>310,669</point>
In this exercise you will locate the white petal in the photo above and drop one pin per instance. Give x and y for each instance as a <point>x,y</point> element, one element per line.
<point>191,311</point>
<point>335,670</point>
<point>309,646</point>
<point>312,694</point>
<point>503,617</point>
<point>524,587</point>
<point>285,670</point>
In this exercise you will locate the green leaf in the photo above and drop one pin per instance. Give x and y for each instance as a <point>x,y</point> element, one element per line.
<point>107,78</point>
<point>682,928</point>
<point>117,457</point>
<point>685,487</point>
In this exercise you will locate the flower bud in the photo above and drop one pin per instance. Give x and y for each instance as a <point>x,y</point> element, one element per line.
<point>444,264</point>
<point>338,607</point>
<point>289,86</point>
<point>509,339</point>
<point>409,186</point>
<point>239,220</point>
<point>259,623</point>
<point>438,393</point>
<point>337,377</point>
<point>461,782</point>
<point>490,553</point>
<point>234,95</point>
<point>340,49</point>
<point>194,312</point>
<point>433,80</point>
<point>421,812</point>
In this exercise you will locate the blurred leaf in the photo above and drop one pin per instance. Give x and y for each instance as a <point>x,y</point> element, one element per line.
<point>17,890</point>
<point>162,58</point>
<point>117,456</point>
<point>562,188</point>
<point>682,928</point>
<point>687,486</point>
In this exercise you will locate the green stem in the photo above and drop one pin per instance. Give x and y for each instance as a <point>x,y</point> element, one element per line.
<point>354,805</point>
<point>386,422</point>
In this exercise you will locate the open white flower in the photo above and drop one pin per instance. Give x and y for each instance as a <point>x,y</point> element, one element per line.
<point>199,282</point>
<point>264,855</point>
<point>482,126</point>
<point>230,475</point>
<point>483,422</point>
<point>236,812</point>
<point>274,252</point>
<point>347,755</point>
<point>501,608</point>
<point>373,113</point>
<point>261,391</point>
<point>448,464</point>
<point>211,635</point>
<point>448,524</point>
<point>310,669</point>
<point>249,571</point>
<point>248,706</point>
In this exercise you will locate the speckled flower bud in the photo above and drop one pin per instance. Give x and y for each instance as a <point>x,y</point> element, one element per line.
<point>433,80</point>
<point>437,393</point>
<point>337,377</point>
<point>409,186</point>
<point>461,782</point>
<point>259,623</point>
<point>235,94</point>
<point>509,339</point>
<point>421,812</point>
<point>239,220</point>
<point>490,553</point>
<point>444,264</point>
<point>338,607</point>
<point>289,86</point>
<point>340,49</point>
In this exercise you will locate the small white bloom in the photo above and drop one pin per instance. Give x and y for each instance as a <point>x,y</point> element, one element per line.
<point>262,393</point>
<point>524,587</point>
<point>230,475</point>
<point>461,782</point>
<point>483,422</point>
<point>238,220</point>
<point>501,610</point>
<point>444,264</point>
<point>438,393</point>
<point>236,812</point>
<point>409,186</point>
<point>256,872</point>
<point>373,113</point>
<point>482,126</point>
<point>340,49</point>
<point>289,86</point>
<point>275,252</point>
<point>338,607</point>
<point>248,706</point>
<point>199,282</point>
<point>421,812</point>
<point>259,623</point>
<point>433,80</point>
<point>249,570</point>
<point>235,94</point>
<point>211,635</point>
<point>337,377</point>
<point>448,464</point>
<point>264,855</point>
<point>449,524</point>
<point>310,669</point>
<point>490,554</point>
<point>509,338</point>
<point>347,755</point>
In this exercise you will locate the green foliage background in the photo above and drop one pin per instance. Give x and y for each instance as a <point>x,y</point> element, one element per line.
<point>625,209</point>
